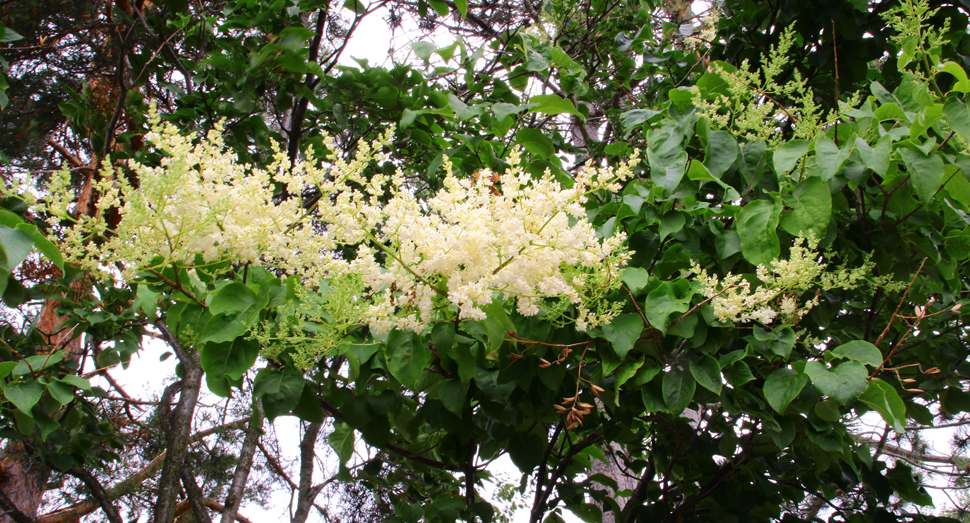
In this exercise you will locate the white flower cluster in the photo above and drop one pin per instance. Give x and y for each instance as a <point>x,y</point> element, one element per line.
<point>474,240</point>
<point>508,235</point>
<point>198,203</point>
<point>783,283</point>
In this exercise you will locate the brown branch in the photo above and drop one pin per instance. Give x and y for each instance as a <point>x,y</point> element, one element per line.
<point>71,158</point>
<point>186,505</point>
<point>275,466</point>
<point>12,511</point>
<point>97,490</point>
<point>245,464</point>
<point>306,492</point>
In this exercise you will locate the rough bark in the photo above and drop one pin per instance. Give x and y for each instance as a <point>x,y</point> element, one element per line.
<point>307,493</point>
<point>246,454</point>
<point>178,428</point>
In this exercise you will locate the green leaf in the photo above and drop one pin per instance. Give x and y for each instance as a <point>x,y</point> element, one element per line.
<point>423,49</point>
<point>829,157</point>
<point>957,116</point>
<point>62,392</point>
<point>782,386</point>
<point>497,325</point>
<point>634,118</point>
<point>462,6</point>
<point>553,104</point>
<point>406,360</point>
<point>280,390</point>
<point>876,158</point>
<point>462,110</point>
<point>707,372</point>
<point>443,337</point>
<point>665,172</point>
<point>859,350</point>
<point>24,395</point>
<point>787,156</point>
<point>16,246</point>
<point>42,244</point>
<point>925,171</point>
<point>38,362</point>
<point>501,110</point>
<point>958,244</point>
<point>845,383</point>
<point>587,512</point>
<point>668,298</point>
<point>6,367</point>
<point>720,153</point>
<point>451,393</point>
<point>9,35</point>
<point>526,450</point>
<point>232,298</point>
<point>76,381</point>
<point>757,223</point>
<point>681,97</point>
<point>678,390</point>
<point>536,142</point>
<point>671,222</point>
<point>635,278</point>
<point>223,328</point>
<point>341,440</point>
<point>623,332</point>
<point>962,84</point>
<point>884,399</point>
<point>308,408</point>
<point>811,204</point>
<point>229,359</point>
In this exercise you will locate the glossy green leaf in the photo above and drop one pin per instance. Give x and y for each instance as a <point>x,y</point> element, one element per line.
<point>279,389</point>
<point>342,441</point>
<point>859,350</point>
<point>707,373</point>
<point>536,142</point>
<point>925,171</point>
<point>308,408</point>
<point>830,157</point>
<point>16,245</point>
<point>406,359</point>
<point>678,390</point>
<point>24,394</point>
<point>811,204</point>
<point>884,399</point>
<point>667,299</point>
<point>845,383</point>
<point>757,223</point>
<point>787,156</point>
<point>782,386</point>
<point>462,6</point>
<point>962,84</point>
<point>635,278</point>
<point>623,332</point>
<point>720,153</point>
<point>553,104</point>
<point>231,298</point>
<point>957,115</point>
<point>876,158</point>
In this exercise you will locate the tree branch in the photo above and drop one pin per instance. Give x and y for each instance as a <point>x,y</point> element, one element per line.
<point>97,490</point>
<point>306,492</point>
<point>241,476</point>
<point>177,428</point>
<point>12,511</point>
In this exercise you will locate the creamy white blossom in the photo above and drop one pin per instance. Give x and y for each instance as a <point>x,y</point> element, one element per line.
<point>522,238</point>
<point>783,285</point>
